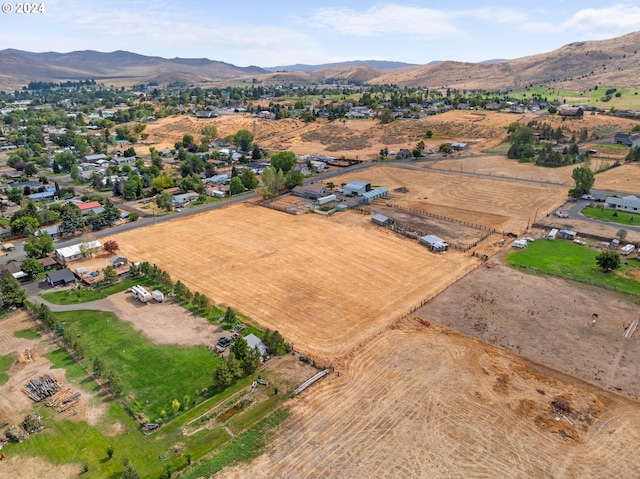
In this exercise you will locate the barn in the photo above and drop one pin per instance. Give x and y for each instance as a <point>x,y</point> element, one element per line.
<point>61,277</point>
<point>434,243</point>
<point>356,188</point>
<point>381,220</point>
<point>374,194</point>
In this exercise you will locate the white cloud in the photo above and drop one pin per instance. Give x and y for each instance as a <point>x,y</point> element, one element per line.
<point>614,20</point>
<point>386,19</point>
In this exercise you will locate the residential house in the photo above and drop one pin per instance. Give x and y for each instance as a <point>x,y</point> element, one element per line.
<point>76,251</point>
<point>48,263</point>
<point>630,203</point>
<point>459,146</point>
<point>93,159</point>
<point>90,207</point>
<point>312,191</point>
<point>61,277</point>
<point>403,154</point>
<point>627,140</point>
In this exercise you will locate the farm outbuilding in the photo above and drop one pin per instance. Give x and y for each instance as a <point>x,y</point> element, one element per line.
<point>567,234</point>
<point>356,188</point>
<point>118,261</point>
<point>61,277</point>
<point>459,146</point>
<point>374,194</point>
<point>381,220</point>
<point>434,243</point>
<point>254,341</point>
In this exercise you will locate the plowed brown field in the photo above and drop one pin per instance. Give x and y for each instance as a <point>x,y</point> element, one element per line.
<point>327,283</point>
<point>624,179</point>
<point>423,402</point>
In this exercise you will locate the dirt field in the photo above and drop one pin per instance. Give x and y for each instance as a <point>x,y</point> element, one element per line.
<point>428,402</point>
<point>325,283</point>
<point>624,179</point>
<point>548,320</point>
<point>502,166</point>
<point>504,205</point>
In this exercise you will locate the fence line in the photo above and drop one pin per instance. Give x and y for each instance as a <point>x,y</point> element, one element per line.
<point>440,217</point>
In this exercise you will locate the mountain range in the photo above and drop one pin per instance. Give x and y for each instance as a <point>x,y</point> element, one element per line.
<point>577,66</point>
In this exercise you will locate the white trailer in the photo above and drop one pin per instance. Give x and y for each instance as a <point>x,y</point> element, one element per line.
<point>141,294</point>
<point>521,243</point>
<point>326,199</point>
<point>157,295</point>
<point>627,249</point>
<point>552,234</point>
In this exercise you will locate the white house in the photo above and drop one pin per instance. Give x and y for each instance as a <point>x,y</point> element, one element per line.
<point>76,251</point>
<point>629,203</point>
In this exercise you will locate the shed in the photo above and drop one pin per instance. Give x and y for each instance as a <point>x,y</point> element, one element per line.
<point>118,261</point>
<point>356,188</point>
<point>381,220</point>
<point>374,194</point>
<point>61,277</point>
<point>434,243</point>
<point>567,234</point>
<point>255,342</point>
<point>458,146</point>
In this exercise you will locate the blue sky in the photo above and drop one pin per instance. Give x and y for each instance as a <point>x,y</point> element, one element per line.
<point>273,32</point>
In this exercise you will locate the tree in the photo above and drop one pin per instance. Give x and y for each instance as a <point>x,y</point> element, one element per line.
<point>239,348</point>
<point>32,423</point>
<point>608,261</point>
<point>131,187</point>
<point>164,201</point>
<point>252,360</point>
<point>130,473</point>
<point>16,195</point>
<point>274,182</point>
<point>187,140</point>
<point>111,246</point>
<point>249,180</point>
<point>273,340</point>
<point>38,246</point>
<point>294,178</point>
<point>256,153</point>
<point>111,213</point>
<point>445,148</point>
<point>428,134</point>
<point>88,248</point>
<point>285,160</point>
<point>243,139</point>
<point>236,186</point>
<point>110,452</point>
<point>12,293</point>
<point>229,315</point>
<point>209,133</point>
<point>24,224</point>
<point>110,275</point>
<point>622,234</point>
<point>65,161</point>
<point>70,220</point>
<point>386,116</point>
<point>32,267</point>
<point>584,179</point>
<point>182,292</point>
<point>223,375</point>
<point>97,367</point>
<point>162,182</point>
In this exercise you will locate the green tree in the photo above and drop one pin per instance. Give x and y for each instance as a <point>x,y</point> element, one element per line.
<point>256,153</point>
<point>249,180</point>
<point>294,178</point>
<point>162,182</point>
<point>97,366</point>
<point>284,160</point>
<point>110,275</point>
<point>274,182</point>
<point>24,224</point>
<point>584,179</point>
<point>445,148</point>
<point>608,261</point>
<point>187,140</point>
<point>273,340</point>
<point>386,116</point>
<point>65,161</point>
<point>236,186</point>
<point>252,360</point>
<point>12,293</point>
<point>130,473</point>
<point>182,292</point>
<point>622,234</point>
<point>239,348</point>
<point>38,246</point>
<point>131,187</point>
<point>229,315</point>
<point>32,267</point>
<point>164,201</point>
<point>111,213</point>
<point>70,220</point>
<point>243,139</point>
<point>428,134</point>
<point>223,375</point>
<point>209,133</point>
<point>235,366</point>
<point>16,195</point>
<point>110,452</point>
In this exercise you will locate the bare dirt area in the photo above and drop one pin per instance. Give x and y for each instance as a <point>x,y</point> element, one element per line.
<point>504,205</point>
<point>583,226</point>
<point>423,401</point>
<point>548,320</point>
<point>25,466</point>
<point>623,179</point>
<point>163,323</point>
<point>502,166</point>
<point>327,283</point>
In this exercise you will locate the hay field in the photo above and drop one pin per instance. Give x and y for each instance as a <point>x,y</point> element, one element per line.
<point>422,402</point>
<point>504,205</point>
<point>624,179</point>
<point>327,283</point>
<point>504,167</point>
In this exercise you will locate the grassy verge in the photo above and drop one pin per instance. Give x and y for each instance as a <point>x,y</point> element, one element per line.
<point>152,375</point>
<point>243,448</point>
<point>500,149</point>
<point>568,260</point>
<point>27,334</point>
<point>613,216</point>
<point>85,295</point>
<point>5,364</point>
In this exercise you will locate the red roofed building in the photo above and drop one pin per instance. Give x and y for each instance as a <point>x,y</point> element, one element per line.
<point>89,206</point>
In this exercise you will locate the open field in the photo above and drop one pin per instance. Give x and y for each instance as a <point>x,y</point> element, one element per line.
<point>504,205</point>
<point>503,166</point>
<point>624,179</point>
<point>548,320</point>
<point>326,283</point>
<point>422,402</point>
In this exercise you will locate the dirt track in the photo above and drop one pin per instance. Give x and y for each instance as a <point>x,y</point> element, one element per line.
<point>427,402</point>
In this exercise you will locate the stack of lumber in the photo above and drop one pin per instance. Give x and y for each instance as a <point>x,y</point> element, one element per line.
<point>64,399</point>
<point>38,389</point>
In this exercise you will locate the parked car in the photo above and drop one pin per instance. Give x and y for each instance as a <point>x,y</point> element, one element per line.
<point>263,382</point>
<point>588,197</point>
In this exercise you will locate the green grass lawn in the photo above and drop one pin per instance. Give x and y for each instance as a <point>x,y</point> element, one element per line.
<point>152,375</point>
<point>568,260</point>
<point>5,364</point>
<point>27,334</point>
<point>629,99</point>
<point>621,217</point>
<point>86,295</point>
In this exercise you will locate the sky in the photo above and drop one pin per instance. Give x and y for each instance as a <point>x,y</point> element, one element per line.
<point>270,33</point>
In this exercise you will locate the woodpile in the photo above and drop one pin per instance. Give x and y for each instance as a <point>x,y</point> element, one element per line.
<point>63,400</point>
<point>38,389</point>
<point>28,356</point>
